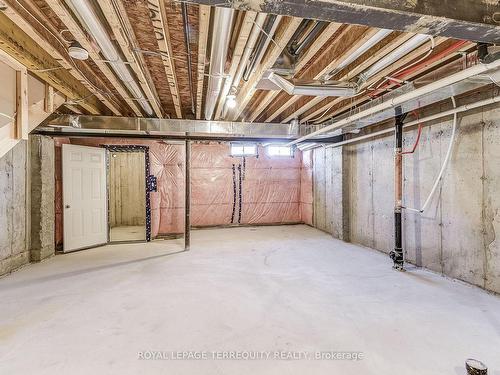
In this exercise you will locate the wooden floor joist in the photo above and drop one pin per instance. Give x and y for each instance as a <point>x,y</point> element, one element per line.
<point>348,41</point>
<point>119,33</point>
<point>157,15</point>
<point>324,109</point>
<point>41,41</point>
<point>285,32</point>
<point>204,24</point>
<point>20,46</point>
<point>74,28</point>
<point>318,43</point>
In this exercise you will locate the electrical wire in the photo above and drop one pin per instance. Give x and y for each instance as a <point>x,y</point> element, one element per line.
<point>13,117</point>
<point>268,35</point>
<point>445,163</point>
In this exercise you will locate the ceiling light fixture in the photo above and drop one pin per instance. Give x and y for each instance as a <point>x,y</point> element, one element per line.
<point>76,51</point>
<point>231,101</point>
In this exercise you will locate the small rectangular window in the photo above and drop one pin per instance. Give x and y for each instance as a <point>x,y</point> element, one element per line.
<point>279,150</point>
<point>243,149</point>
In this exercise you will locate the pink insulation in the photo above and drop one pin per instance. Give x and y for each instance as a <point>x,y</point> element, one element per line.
<point>273,189</point>
<point>306,188</point>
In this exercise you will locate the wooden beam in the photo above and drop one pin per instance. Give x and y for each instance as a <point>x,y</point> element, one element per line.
<point>17,18</point>
<point>473,20</point>
<point>286,30</point>
<point>48,104</point>
<point>245,30</point>
<point>203,25</point>
<point>20,46</point>
<point>120,32</point>
<point>22,127</point>
<point>158,17</point>
<point>74,28</point>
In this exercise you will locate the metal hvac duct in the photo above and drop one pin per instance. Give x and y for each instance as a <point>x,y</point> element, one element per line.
<point>87,16</point>
<point>223,20</point>
<point>309,90</point>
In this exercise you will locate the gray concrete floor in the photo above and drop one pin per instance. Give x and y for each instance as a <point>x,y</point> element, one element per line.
<point>288,288</point>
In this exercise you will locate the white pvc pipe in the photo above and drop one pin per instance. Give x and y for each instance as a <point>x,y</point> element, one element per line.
<point>394,102</point>
<point>460,109</point>
<point>445,163</point>
<point>395,55</point>
<point>381,34</point>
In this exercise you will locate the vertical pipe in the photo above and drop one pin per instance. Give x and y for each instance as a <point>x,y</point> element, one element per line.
<point>397,254</point>
<point>187,195</point>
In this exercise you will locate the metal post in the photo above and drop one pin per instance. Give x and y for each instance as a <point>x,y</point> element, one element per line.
<point>397,254</point>
<point>187,196</point>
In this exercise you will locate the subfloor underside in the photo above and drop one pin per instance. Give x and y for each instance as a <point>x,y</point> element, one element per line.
<point>289,289</point>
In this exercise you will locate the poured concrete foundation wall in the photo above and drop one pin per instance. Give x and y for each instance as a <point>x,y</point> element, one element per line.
<point>42,197</point>
<point>458,234</point>
<point>13,238</point>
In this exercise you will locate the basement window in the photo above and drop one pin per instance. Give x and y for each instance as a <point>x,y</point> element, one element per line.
<point>279,150</point>
<point>243,149</point>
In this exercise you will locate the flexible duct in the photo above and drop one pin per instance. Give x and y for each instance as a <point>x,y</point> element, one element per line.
<point>223,20</point>
<point>87,16</point>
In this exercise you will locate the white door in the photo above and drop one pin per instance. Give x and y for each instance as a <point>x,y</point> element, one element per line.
<point>84,197</point>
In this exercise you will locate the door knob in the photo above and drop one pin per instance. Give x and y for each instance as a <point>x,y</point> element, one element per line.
<point>67,206</point>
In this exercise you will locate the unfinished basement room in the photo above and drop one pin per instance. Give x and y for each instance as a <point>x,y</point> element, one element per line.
<point>265,187</point>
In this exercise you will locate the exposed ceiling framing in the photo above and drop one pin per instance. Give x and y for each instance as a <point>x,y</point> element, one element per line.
<point>154,41</point>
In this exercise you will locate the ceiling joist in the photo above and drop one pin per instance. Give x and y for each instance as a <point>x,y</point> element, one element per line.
<point>157,16</point>
<point>74,28</point>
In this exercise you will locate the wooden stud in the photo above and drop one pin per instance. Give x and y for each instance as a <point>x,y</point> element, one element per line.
<point>22,127</point>
<point>49,99</point>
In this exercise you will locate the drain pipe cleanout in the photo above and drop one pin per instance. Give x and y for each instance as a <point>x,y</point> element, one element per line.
<point>397,254</point>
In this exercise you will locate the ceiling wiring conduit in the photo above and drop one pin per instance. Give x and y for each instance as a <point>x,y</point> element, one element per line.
<point>451,79</point>
<point>223,21</point>
<point>87,16</point>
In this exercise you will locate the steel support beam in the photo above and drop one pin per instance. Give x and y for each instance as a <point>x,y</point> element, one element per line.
<point>474,20</point>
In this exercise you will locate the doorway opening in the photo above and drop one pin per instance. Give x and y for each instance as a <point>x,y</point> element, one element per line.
<point>127,198</point>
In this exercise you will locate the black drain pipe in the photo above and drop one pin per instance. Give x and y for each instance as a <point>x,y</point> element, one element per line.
<point>397,254</point>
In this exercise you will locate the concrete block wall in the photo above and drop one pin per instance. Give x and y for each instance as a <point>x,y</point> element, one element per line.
<point>458,235</point>
<point>14,251</point>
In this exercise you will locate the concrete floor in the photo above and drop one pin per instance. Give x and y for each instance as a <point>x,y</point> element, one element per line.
<point>127,233</point>
<point>288,288</point>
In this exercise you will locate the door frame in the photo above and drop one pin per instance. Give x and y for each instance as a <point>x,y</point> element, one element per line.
<point>132,148</point>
